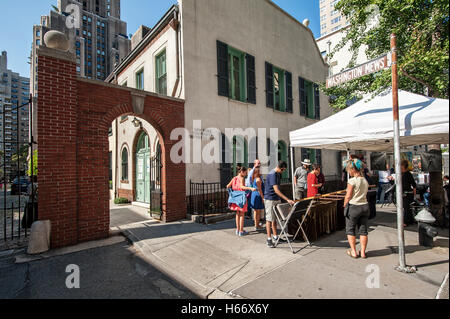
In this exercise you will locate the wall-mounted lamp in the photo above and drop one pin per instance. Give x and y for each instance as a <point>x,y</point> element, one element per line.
<point>137,123</point>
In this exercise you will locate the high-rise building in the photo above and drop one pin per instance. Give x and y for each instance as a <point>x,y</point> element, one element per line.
<point>99,40</point>
<point>331,19</point>
<point>14,91</point>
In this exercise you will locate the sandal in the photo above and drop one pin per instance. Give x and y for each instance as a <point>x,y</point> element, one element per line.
<point>349,253</point>
<point>359,254</point>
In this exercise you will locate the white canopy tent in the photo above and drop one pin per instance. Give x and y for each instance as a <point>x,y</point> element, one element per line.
<point>368,125</point>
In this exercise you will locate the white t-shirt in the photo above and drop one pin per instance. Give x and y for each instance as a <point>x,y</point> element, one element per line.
<point>360,190</point>
<point>383,176</point>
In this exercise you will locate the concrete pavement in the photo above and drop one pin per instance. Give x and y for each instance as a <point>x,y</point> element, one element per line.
<point>111,269</point>
<point>215,263</point>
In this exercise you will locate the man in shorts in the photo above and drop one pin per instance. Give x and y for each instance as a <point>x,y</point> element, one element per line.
<point>273,196</point>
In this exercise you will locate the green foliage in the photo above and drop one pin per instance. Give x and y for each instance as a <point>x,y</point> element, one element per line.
<point>35,164</point>
<point>422,29</point>
<point>121,200</point>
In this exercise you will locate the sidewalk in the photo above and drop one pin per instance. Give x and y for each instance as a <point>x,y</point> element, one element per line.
<point>214,263</point>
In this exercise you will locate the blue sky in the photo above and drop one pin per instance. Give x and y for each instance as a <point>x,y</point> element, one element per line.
<point>18,17</point>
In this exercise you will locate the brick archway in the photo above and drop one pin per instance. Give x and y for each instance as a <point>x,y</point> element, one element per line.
<point>73,118</point>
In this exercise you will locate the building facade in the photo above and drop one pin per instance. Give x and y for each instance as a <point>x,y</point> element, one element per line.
<point>331,19</point>
<point>14,123</point>
<point>237,67</point>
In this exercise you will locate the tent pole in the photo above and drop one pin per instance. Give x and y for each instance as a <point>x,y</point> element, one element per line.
<point>397,155</point>
<point>293,173</point>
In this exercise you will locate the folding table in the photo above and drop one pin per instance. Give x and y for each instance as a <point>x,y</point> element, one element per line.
<point>284,213</point>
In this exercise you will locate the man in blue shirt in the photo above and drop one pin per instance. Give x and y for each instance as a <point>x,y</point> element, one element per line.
<point>272,198</point>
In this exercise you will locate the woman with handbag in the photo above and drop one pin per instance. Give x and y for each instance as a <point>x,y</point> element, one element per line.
<point>357,210</point>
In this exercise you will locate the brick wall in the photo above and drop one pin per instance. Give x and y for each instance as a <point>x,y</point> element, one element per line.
<point>126,193</point>
<point>73,120</point>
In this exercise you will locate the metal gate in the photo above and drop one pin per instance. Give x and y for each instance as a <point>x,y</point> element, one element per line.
<point>18,178</point>
<point>156,184</point>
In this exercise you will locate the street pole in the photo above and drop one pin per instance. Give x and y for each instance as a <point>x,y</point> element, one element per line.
<point>397,155</point>
<point>292,172</point>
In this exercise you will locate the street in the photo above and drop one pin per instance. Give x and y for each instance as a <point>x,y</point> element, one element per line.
<point>116,271</point>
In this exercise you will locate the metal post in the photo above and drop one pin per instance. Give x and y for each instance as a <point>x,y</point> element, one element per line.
<point>18,159</point>
<point>32,159</point>
<point>293,173</point>
<point>397,155</point>
<point>4,172</point>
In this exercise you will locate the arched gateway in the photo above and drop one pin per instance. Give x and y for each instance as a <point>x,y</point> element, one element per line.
<point>73,118</point>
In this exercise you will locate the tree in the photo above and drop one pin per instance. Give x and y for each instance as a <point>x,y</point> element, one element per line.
<point>422,29</point>
<point>23,154</point>
<point>35,164</point>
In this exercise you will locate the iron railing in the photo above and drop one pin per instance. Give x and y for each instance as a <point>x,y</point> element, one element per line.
<point>16,214</point>
<point>207,198</point>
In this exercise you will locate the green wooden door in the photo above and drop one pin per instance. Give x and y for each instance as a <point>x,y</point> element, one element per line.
<point>143,170</point>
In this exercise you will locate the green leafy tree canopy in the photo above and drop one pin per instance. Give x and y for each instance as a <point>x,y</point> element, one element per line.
<point>422,30</point>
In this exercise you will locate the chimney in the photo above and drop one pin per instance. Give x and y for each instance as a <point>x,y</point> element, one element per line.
<point>139,36</point>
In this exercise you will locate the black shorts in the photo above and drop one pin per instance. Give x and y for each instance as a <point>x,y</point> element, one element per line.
<point>357,219</point>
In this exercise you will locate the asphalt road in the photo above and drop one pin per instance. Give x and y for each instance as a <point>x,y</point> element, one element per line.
<point>116,272</point>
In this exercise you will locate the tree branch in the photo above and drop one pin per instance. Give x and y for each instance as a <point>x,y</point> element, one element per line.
<point>429,86</point>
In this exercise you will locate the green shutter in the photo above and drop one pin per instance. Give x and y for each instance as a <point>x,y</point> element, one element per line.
<point>269,85</point>
<point>317,101</point>
<point>302,95</point>
<point>251,79</point>
<point>222,69</point>
<point>289,99</point>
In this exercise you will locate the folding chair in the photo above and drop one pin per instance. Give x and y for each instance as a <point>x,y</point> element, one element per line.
<point>284,213</point>
<point>390,193</point>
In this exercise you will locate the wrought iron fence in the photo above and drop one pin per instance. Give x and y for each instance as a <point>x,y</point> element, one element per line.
<point>207,198</point>
<point>210,198</point>
<point>17,213</point>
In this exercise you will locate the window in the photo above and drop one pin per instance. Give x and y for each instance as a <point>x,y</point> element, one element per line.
<point>336,20</point>
<point>324,17</point>
<point>140,80</point>
<point>278,89</point>
<point>125,164</point>
<point>323,26</point>
<point>309,99</point>
<point>236,74</point>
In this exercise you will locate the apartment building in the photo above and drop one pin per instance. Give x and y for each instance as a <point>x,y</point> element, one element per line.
<point>237,64</point>
<point>14,123</point>
<point>100,41</point>
<point>331,19</point>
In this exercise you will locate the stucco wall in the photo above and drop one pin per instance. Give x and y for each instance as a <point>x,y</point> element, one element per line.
<point>127,135</point>
<point>263,30</point>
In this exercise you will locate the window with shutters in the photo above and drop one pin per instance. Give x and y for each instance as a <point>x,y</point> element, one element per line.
<point>278,89</point>
<point>309,99</point>
<point>236,74</point>
<point>161,73</point>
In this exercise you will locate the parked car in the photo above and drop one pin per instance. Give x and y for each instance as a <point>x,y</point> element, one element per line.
<point>24,182</point>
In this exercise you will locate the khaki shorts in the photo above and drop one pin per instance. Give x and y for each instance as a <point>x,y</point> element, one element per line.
<point>270,205</point>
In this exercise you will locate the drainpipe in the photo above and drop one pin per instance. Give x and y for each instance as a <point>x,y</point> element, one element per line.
<point>116,194</point>
<point>176,26</point>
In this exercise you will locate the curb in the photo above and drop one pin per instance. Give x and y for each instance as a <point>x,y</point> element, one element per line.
<point>443,288</point>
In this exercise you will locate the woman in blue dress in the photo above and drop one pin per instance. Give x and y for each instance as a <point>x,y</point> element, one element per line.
<point>257,197</point>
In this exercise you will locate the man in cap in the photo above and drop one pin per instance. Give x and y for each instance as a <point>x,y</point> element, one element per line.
<point>301,179</point>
